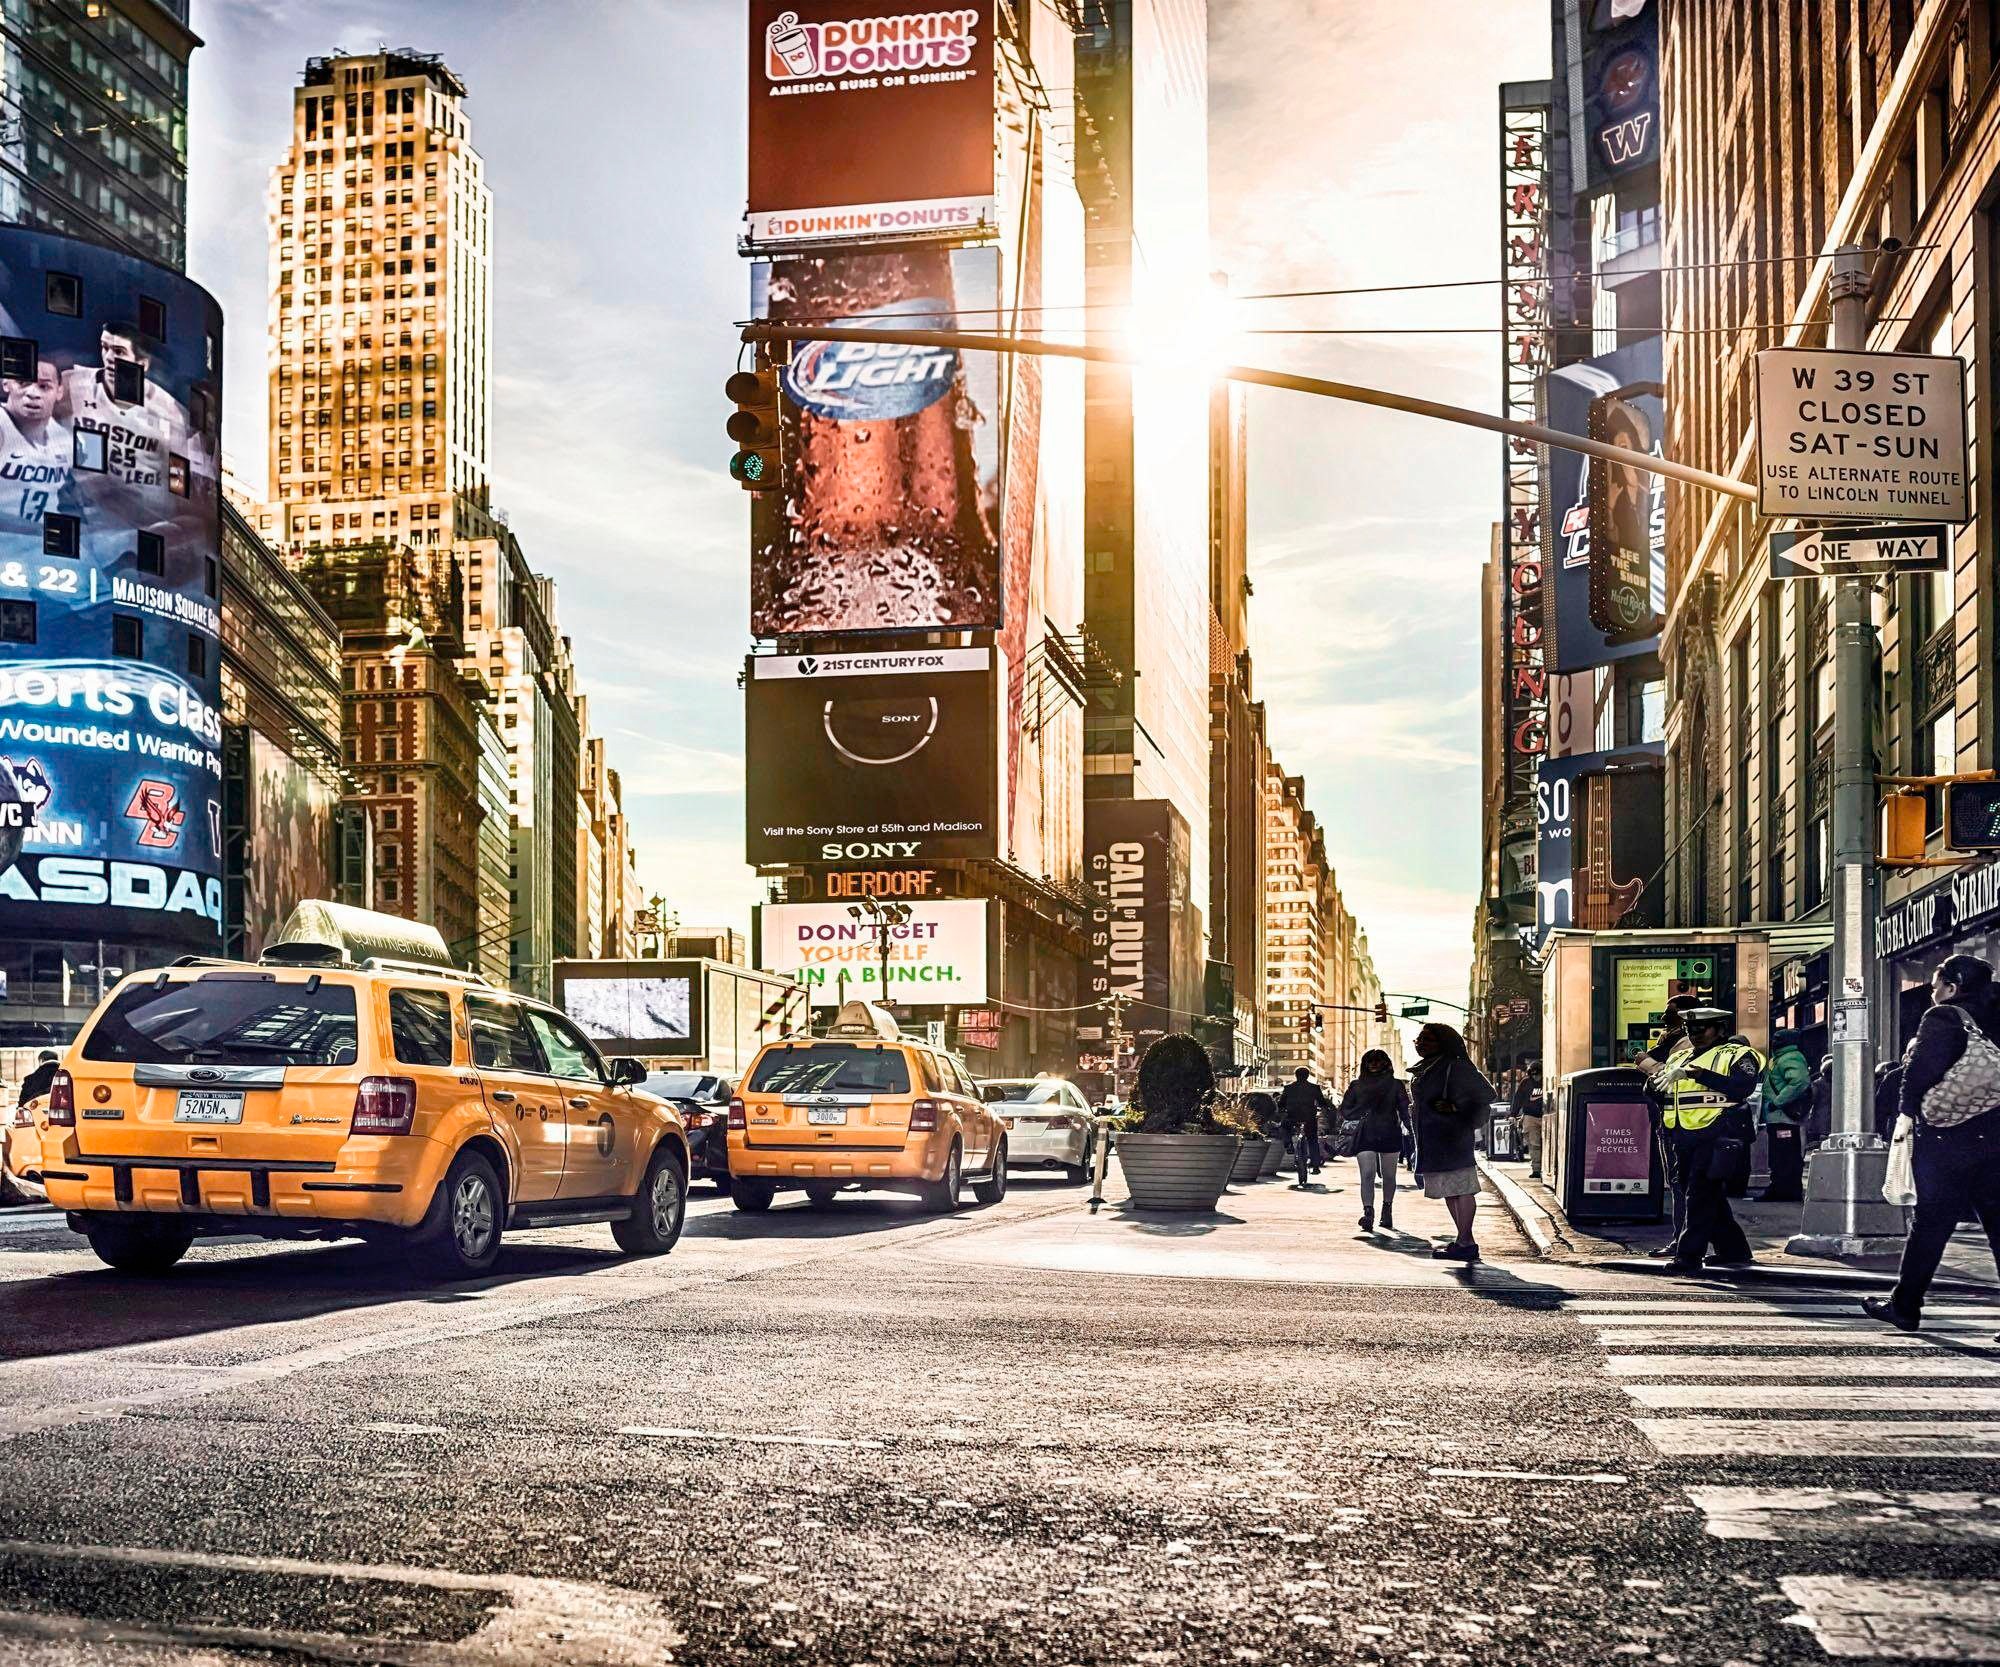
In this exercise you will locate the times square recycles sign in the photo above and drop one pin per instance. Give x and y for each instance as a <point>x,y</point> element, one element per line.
<point>110,597</point>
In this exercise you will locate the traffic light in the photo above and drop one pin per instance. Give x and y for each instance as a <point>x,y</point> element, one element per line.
<point>1382,1012</point>
<point>1319,1021</point>
<point>1903,825</point>
<point>754,425</point>
<point>1972,815</point>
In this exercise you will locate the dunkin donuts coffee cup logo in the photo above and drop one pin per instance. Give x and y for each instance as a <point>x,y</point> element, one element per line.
<point>795,51</point>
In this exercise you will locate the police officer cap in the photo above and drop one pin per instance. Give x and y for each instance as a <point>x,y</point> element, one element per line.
<point>1707,1015</point>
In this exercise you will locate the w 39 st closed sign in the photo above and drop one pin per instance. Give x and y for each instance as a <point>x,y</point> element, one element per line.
<point>1861,436</point>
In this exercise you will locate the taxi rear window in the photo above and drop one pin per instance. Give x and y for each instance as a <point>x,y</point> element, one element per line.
<point>228,1020</point>
<point>831,1068</point>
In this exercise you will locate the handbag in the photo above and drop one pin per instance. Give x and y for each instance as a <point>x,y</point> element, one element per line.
<point>1899,1183</point>
<point>1972,1085</point>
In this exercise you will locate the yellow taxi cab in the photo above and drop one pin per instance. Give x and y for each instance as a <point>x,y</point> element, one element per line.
<point>865,1107</point>
<point>331,1090</point>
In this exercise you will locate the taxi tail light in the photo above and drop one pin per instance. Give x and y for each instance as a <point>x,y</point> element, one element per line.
<point>737,1120</point>
<point>924,1116</point>
<point>384,1105</point>
<point>62,1099</point>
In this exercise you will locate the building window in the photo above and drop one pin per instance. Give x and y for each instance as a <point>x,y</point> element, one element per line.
<point>197,656</point>
<point>153,318</point>
<point>152,554</point>
<point>17,622</point>
<point>62,535</point>
<point>128,637</point>
<point>62,294</point>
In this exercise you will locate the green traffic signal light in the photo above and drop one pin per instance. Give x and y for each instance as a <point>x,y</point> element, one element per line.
<point>754,468</point>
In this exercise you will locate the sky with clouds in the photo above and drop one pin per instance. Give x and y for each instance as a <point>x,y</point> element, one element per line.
<point>1347,149</point>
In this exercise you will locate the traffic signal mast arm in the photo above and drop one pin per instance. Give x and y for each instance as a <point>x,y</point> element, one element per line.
<point>965,341</point>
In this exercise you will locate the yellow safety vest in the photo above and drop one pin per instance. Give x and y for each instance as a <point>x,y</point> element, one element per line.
<point>1692,1106</point>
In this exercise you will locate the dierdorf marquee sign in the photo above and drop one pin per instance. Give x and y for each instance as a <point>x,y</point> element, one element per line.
<point>1938,912</point>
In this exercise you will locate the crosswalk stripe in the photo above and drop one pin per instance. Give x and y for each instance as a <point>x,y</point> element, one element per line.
<point>1932,1363</point>
<point>1847,1514</point>
<point>1829,1438</point>
<point>1662,1337</point>
<point>1817,1397</point>
<point>1901,1620</point>
<point>1605,1308</point>
<point>1748,1320</point>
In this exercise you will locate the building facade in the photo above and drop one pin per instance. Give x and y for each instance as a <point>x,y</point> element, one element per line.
<point>93,122</point>
<point>1891,129</point>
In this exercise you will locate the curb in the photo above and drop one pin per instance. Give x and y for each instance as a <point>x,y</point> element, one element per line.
<point>1529,1216</point>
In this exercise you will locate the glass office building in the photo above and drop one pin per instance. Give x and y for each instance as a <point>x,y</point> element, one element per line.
<point>93,121</point>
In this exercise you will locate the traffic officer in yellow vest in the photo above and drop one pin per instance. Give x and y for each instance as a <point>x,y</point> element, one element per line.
<point>1706,1116</point>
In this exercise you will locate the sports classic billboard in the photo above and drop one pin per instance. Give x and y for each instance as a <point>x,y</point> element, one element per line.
<point>936,958</point>
<point>892,453</point>
<point>110,663</point>
<point>863,758</point>
<point>869,118</point>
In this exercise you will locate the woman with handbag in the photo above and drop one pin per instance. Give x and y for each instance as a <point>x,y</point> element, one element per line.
<point>1451,1098</point>
<point>1369,1128</point>
<point>1951,1089</point>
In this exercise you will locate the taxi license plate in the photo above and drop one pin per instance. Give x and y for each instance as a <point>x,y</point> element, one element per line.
<point>203,1106</point>
<point>826,1114</point>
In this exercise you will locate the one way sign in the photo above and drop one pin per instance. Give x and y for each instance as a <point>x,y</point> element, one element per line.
<point>1924,547</point>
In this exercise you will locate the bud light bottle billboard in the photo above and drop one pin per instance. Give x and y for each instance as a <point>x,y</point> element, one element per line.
<point>110,597</point>
<point>892,453</point>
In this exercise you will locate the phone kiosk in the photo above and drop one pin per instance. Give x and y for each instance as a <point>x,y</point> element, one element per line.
<point>1604,1002</point>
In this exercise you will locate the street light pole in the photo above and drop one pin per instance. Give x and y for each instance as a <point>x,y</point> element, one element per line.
<point>1844,1212</point>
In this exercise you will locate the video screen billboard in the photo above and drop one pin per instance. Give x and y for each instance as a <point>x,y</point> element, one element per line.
<point>291,814</point>
<point>110,584</point>
<point>890,757</point>
<point>892,453</point>
<point>869,120</point>
<point>633,1012</point>
<point>936,958</point>
<point>1604,586</point>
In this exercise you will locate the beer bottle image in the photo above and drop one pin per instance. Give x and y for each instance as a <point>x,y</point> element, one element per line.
<point>888,520</point>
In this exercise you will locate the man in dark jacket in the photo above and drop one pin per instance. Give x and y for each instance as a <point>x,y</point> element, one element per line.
<point>1300,1107</point>
<point>1526,1106</point>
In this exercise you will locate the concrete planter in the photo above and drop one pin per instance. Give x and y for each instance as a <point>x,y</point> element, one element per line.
<point>1176,1171</point>
<point>1274,1158</point>
<point>1249,1160</point>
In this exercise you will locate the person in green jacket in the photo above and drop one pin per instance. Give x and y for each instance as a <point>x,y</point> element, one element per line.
<point>1787,1099</point>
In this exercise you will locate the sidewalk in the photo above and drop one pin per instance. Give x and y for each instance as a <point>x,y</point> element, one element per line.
<point>1767,1226</point>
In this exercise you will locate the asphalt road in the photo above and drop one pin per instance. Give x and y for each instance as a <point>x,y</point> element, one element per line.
<point>1014,1435</point>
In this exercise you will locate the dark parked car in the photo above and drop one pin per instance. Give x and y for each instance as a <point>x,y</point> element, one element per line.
<point>702,1099</point>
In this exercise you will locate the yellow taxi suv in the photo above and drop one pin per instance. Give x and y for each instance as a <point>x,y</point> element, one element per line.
<point>325,1092</point>
<point>862,1107</point>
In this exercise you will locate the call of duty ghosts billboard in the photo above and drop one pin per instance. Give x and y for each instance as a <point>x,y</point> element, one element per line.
<point>110,583</point>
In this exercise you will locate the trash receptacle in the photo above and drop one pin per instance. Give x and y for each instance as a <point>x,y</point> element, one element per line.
<point>1608,1161</point>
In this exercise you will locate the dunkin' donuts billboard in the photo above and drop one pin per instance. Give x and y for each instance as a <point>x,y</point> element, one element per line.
<point>869,120</point>
<point>892,453</point>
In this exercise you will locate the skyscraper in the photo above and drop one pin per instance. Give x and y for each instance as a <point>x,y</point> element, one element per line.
<point>93,122</point>
<point>380,305</point>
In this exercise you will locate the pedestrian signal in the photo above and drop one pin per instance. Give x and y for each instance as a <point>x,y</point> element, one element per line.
<point>754,426</point>
<point>1972,815</point>
<point>1904,819</point>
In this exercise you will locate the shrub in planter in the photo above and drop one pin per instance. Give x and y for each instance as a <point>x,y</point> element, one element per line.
<point>1179,1157</point>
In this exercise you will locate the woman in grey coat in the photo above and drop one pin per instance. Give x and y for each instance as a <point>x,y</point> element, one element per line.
<point>1450,1098</point>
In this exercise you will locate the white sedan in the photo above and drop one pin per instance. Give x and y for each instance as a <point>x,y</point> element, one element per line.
<point>1047,1121</point>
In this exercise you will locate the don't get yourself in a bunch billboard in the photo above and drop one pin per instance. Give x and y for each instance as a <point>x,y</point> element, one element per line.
<point>110,597</point>
<point>869,119</point>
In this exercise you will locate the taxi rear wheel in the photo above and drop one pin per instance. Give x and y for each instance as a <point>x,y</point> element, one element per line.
<point>658,1211</point>
<point>941,1196</point>
<point>994,1187</point>
<point>461,1235</point>
<point>138,1244</point>
<point>752,1197</point>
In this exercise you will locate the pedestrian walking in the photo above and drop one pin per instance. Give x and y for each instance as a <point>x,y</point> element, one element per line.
<point>1301,1105</point>
<point>1707,1117</point>
<point>1450,1099</point>
<point>1527,1106</point>
<point>1951,1087</point>
<point>1787,1098</point>
<point>1377,1106</point>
